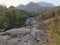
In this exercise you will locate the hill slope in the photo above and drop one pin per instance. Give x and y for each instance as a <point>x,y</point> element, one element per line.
<point>52,17</point>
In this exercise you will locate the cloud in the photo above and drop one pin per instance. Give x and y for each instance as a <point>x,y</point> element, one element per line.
<point>17,2</point>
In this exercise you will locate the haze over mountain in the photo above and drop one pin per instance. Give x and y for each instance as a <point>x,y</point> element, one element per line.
<point>30,7</point>
<point>44,4</point>
<point>35,6</point>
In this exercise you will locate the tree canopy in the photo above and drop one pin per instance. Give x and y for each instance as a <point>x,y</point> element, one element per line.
<point>11,17</point>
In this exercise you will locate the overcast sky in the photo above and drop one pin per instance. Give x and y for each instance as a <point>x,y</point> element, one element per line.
<point>17,2</point>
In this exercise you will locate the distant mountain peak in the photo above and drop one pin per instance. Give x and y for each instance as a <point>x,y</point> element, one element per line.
<point>30,2</point>
<point>42,2</point>
<point>32,6</point>
<point>45,4</point>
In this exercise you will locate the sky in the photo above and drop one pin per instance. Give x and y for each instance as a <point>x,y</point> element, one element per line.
<point>17,2</point>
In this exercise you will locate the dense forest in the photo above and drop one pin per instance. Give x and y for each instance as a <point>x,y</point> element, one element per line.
<point>11,17</point>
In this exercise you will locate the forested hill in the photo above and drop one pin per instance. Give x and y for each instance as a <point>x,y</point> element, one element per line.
<point>11,17</point>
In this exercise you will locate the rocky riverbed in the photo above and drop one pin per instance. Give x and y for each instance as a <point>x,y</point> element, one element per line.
<point>29,35</point>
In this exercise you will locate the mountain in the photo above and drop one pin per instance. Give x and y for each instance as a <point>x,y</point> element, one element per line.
<point>35,6</point>
<point>20,6</point>
<point>30,7</point>
<point>44,4</point>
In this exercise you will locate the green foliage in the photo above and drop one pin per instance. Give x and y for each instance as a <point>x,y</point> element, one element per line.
<point>32,14</point>
<point>11,17</point>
